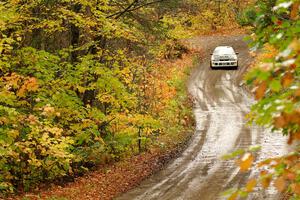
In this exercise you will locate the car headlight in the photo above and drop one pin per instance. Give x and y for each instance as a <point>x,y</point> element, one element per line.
<point>233,58</point>
<point>215,58</point>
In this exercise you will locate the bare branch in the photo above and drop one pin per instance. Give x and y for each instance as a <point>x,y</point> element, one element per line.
<point>132,7</point>
<point>119,14</point>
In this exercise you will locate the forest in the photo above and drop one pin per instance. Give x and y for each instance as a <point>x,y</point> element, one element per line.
<point>82,83</point>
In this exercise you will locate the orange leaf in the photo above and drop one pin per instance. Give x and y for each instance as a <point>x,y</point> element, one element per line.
<point>297,93</point>
<point>296,188</point>
<point>246,162</point>
<point>287,80</point>
<point>293,66</point>
<point>290,176</point>
<point>280,184</point>
<point>21,92</point>
<point>292,158</point>
<point>263,173</point>
<point>279,122</point>
<point>297,166</point>
<point>260,92</point>
<point>295,9</point>
<point>279,22</point>
<point>292,118</point>
<point>30,85</point>
<point>250,185</point>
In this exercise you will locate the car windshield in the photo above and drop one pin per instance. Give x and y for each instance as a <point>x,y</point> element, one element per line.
<point>223,50</point>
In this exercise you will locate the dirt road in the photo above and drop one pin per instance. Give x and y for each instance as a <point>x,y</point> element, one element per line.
<point>221,104</point>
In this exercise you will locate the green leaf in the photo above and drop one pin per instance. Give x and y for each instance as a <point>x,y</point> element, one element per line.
<point>275,85</point>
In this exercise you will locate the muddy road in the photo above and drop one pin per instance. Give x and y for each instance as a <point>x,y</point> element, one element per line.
<point>221,103</point>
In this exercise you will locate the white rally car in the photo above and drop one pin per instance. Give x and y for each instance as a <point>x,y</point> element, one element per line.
<point>224,57</point>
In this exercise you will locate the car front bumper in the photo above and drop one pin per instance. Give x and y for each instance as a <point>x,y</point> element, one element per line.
<point>216,64</point>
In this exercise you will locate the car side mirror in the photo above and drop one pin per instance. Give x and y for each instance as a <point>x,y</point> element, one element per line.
<point>211,54</point>
<point>237,53</point>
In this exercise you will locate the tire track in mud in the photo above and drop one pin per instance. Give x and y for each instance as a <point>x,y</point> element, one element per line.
<point>220,106</point>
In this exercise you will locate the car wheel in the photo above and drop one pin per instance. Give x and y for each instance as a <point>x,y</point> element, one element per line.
<point>237,65</point>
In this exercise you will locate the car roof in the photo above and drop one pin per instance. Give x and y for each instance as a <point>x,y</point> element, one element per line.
<point>224,49</point>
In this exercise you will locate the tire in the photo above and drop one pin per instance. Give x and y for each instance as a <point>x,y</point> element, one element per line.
<point>237,65</point>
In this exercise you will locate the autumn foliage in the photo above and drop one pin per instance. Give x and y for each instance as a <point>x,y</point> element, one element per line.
<point>275,83</point>
<point>78,86</point>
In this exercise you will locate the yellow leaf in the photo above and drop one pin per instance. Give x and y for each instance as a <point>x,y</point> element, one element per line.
<point>14,133</point>
<point>265,181</point>
<point>250,185</point>
<point>81,89</point>
<point>234,196</point>
<point>246,162</point>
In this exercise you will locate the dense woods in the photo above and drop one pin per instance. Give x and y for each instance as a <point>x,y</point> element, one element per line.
<point>81,83</point>
<point>79,88</point>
